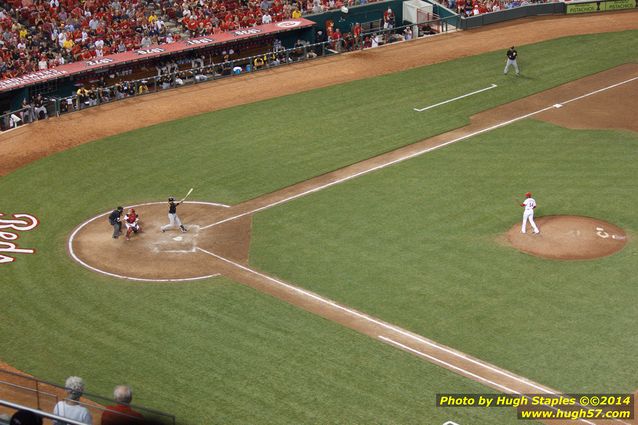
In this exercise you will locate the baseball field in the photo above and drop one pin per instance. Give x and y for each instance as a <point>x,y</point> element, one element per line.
<point>348,257</point>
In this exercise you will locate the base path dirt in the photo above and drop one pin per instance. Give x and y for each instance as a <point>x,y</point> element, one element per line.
<point>34,141</point>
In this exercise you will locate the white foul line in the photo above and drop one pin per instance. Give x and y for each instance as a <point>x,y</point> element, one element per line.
<point>456,98</point>
<point>465,372</point>
<point>402,332</point>
<point>449,365</point>
<point>412,155</point>
<point>380,323</point>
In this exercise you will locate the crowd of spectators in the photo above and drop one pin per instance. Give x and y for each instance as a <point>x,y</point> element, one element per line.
<point>42,34</point>
<point>38,34</point>
<point>199,17</point>
<point>469,8</point>
<point>205,67</point>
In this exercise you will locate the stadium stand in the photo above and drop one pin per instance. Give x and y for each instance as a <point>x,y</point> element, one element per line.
<point>42,34</point>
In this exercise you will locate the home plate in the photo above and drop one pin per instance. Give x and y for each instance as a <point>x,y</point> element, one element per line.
<point>178,238</point>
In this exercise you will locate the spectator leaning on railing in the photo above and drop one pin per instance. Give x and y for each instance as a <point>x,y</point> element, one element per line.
<point>70,408</point>
<point>121,413</point>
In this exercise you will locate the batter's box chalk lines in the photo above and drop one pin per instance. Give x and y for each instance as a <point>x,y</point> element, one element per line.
<point>493,86</point>
<point>75,257</point>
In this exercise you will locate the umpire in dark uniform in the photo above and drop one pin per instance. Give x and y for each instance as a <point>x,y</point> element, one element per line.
<point>115,221</point>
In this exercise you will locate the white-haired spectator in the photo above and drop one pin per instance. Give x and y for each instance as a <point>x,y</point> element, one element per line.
<point>99,48</point>
<point>121,413</point>
<point>70,408</point>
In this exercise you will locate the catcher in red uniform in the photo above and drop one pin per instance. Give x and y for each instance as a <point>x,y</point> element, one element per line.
<point>131,221</point>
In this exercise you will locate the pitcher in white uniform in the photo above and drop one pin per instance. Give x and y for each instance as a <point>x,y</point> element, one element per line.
<point>528,215</point>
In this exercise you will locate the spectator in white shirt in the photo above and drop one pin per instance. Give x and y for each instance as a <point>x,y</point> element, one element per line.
<point>61,38</point>
<point>70,408</point>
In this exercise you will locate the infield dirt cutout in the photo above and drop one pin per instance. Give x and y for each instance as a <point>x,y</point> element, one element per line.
<point>154,255</point>
<point>568,237</point>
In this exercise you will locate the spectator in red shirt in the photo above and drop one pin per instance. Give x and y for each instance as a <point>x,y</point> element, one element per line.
<point>121,413</point>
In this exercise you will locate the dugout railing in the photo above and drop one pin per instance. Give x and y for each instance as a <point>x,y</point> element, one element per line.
<point>56,106</point>
<point>35,394</point>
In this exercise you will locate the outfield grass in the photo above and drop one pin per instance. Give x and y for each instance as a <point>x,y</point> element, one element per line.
<point>60,319</point>
<point>417,244</point>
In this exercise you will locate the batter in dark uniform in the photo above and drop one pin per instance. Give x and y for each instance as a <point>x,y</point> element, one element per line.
<point>173,219</point>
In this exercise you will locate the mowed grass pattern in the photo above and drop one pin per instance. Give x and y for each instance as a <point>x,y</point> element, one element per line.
<point>59,319</point>
<point>418,244</point>
<point>218,353</point>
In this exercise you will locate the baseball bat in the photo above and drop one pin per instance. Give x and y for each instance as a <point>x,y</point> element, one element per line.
<point>184,198</point>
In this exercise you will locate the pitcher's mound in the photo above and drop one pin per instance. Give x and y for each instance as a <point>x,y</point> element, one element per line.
<point>567,237</point>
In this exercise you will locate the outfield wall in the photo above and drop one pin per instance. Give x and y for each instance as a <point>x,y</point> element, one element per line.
<point>599,6</point>
<point>510,14</point>
<point>559,8</point>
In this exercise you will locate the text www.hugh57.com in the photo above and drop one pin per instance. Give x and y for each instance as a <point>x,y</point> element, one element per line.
<point>574,414</point>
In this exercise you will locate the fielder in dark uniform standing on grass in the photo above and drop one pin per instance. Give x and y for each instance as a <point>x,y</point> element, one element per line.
<point>512,54</point>
<point>172,216</point>
<point>114,220</point>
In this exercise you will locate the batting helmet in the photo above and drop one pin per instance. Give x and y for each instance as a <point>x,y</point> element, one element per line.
<point>528,195</point>
<point>171,199</point>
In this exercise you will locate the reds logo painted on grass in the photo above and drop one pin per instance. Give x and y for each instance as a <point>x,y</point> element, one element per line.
<point>19,223</point>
